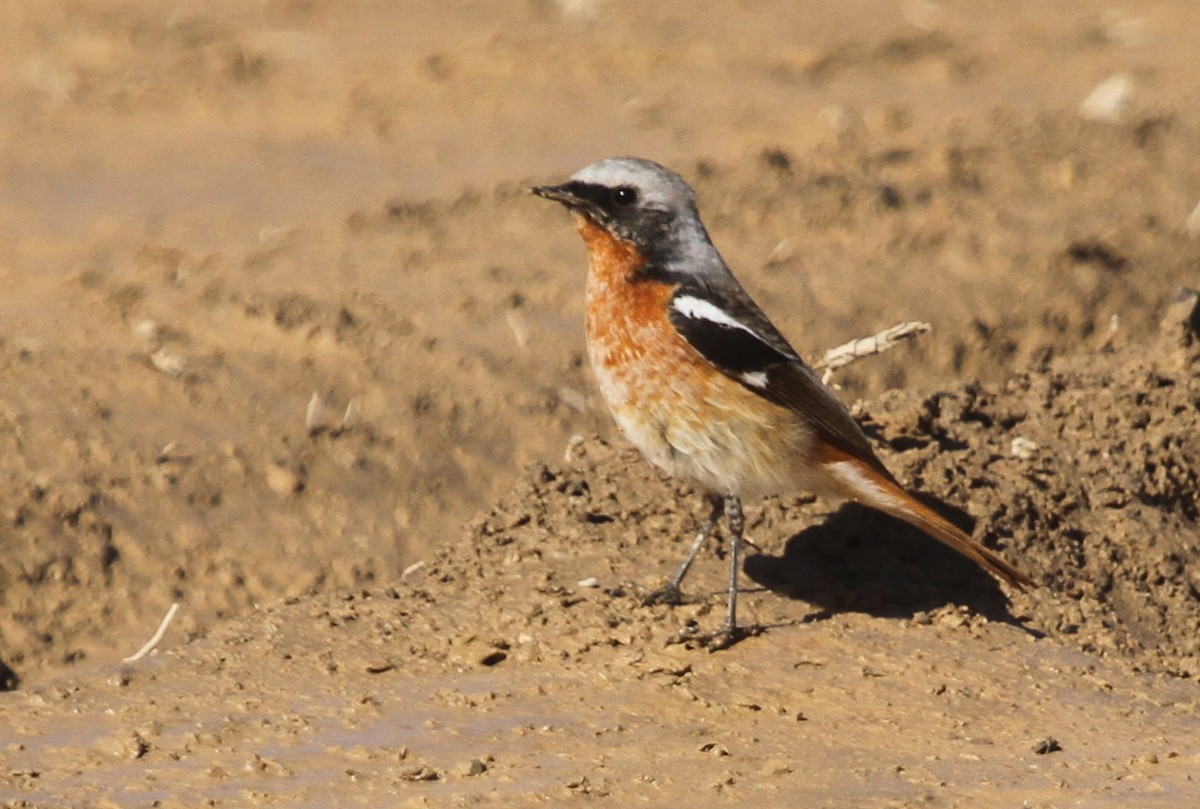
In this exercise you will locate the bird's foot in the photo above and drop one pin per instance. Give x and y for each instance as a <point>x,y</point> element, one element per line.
<point>723,638</point>
<point>670,595</point>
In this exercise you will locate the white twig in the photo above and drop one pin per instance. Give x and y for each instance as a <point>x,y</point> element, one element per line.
<point>156,637</point>
<point>313,413</point>
<point>868,346</point>
<point>520,327</point>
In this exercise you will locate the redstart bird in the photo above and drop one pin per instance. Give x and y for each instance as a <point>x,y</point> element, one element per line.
<point>700,380</point>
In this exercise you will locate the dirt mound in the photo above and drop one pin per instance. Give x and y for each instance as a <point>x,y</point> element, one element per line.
<point>164,448</point>
<point>1084,473</point>
<point>518,664</point>
<point>278,316</point>
<point>1087,472</point>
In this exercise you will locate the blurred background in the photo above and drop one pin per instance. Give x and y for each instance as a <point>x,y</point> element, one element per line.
<point>277,315</point>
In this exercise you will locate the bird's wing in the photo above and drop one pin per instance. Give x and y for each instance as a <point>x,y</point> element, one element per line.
<point>732,333</point>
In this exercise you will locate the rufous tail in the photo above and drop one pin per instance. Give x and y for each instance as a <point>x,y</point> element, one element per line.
<point>867,484</point>
<point>917,514</point>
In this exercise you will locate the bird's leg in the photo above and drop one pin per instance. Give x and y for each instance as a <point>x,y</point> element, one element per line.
<point>672,594</point>
<point>737,525</point>
<point>729,634</point>
<point>716,506</point>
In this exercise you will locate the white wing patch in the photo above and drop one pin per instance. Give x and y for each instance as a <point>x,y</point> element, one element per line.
<point>689,306</point>
<point>755,379</point>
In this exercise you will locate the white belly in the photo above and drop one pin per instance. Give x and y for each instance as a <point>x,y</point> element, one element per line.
<point>710,433</point>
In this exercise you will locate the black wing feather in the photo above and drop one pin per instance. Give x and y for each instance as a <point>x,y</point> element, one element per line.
<point>760,348</point>
<point>735,351</point>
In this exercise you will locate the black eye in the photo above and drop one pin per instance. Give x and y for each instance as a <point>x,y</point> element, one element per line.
<point>624,196</point>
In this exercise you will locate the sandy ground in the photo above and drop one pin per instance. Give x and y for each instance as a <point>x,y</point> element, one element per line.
<point>280,323</point>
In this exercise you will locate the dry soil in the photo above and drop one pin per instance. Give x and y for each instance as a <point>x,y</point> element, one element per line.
<point>284,340</point>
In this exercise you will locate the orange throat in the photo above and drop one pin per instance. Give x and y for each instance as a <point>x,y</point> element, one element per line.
<point>612,258</point>
<point>620,305</point>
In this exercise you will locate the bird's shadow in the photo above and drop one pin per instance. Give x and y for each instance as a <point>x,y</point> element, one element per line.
<point>860,560</point>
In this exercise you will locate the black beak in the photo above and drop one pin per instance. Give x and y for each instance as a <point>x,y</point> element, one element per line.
<point>558,193</point>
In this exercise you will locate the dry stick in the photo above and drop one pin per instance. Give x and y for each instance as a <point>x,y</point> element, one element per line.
<point>156,637</point>
<point>313,413</point>
<point>868,346</point>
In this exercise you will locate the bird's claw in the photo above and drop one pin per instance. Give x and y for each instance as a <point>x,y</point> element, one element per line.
<point>670,595</point>
<point>723,638</point>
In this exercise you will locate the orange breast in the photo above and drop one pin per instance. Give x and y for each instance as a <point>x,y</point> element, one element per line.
<point>629,334</point>
<point>684,415</point>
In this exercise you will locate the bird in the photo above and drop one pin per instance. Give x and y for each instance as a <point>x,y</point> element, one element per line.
<point>703,384</point>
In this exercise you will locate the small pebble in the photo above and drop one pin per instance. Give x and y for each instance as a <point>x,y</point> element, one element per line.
<point>147,330</point>
<point>1110,100</point>
<point>1047,745</point>
<point>169,364</point>
<point>282,480</point>
<point>1023,448</point>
